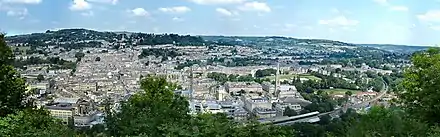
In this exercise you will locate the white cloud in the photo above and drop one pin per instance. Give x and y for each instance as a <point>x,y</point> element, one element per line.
<point>381,2</point>
<point>255,6</point>
<point>24,1</point>
<point>430,16</point>
<point>88,14</point>
<point>215,2</point>
<point>339,21</point>
<point>178,9</point>
<point>113,2</point>
<point>21,13</point>
<point>226,12</point>
<point>177,19</point>
<point>78,5</point>
<point>139,12</point>
<point>399,8</point>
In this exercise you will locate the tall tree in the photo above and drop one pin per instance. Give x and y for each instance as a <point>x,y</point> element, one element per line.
<point>150,111</point>
<point>6,55</point>
<point>421,84</point>
<point>12,86</point>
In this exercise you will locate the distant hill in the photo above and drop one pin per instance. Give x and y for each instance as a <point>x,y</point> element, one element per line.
<point>71,38</point>
<point>396,48</point>
<point>270,41</point>
<point>75,38</point>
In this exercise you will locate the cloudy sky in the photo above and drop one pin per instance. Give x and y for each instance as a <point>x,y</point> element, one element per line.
<point>415,22</point>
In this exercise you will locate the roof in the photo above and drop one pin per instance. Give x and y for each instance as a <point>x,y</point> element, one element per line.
<point>293,100</point>
<point>60,106</point>
<point>287,87</point>
<point>66,100</point>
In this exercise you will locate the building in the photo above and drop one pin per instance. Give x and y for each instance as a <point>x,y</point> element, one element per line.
<point>80,111</point>
<point>221,93</point>
<point>268,87</point>
<point>287,91</point>
<point>62,111</point>
<point>263,113</point>
<point>251,103</point>
<point>248,87</point>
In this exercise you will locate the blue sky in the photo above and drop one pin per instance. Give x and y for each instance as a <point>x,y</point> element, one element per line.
<point>413,22</point>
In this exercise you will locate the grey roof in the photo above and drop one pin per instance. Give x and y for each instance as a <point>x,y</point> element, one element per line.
<point>66,100</point>
<point>293,100</point>
<point>60,106</point>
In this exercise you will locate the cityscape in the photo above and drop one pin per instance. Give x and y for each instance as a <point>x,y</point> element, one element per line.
<point>81,81</point>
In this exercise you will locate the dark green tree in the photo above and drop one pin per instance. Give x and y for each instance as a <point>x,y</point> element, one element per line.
<point>150,111</point>
<point>290,112</point>
<point>12,86</point>
<point>40,77</point>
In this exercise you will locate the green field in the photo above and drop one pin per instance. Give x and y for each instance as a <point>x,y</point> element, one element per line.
<point>339,91</point>
<point>292,76</point>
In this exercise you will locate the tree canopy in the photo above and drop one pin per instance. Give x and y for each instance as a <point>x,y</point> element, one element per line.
<point>12,86</point>
<point>421,83</point>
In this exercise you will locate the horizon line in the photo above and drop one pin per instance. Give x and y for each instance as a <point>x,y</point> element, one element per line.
<point>223,35</point>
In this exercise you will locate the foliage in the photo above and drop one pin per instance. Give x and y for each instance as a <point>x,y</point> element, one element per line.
<point>12,86</point>
<point>32,122</point>
<point>150,111</point>
<point>55,62</point>
<point>159,52</point>
<point>387,122</point>
<point>158,112</point>
<point>265,72</point>
<point>6,55</point>
<point>40,77</point>
<point>320,103</point>
<point>290,112</point>
<point>421,84</point>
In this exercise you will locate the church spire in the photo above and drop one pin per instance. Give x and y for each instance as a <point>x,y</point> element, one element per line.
<point>277,81</point>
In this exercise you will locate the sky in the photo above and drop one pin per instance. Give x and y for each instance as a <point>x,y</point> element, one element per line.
<point>410,22</point>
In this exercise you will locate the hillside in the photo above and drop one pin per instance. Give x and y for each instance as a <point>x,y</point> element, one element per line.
<point>77,38</point>
<point>396,48</point>
<point>90,38</point>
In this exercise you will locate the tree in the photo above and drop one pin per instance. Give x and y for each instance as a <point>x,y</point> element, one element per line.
<point>6,55</point>
<point>421,84</point>
<point>12,86</point>
<point>150,112</point>
<point>265,72</point>
<point>40,77</point>
<point>289,112</point>
<point>32,122</point>
<point>98,59</point>
<point>348,93</point>
<point>387,122</point>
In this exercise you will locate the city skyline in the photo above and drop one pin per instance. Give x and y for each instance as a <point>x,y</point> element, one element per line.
<point>364,21</point>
